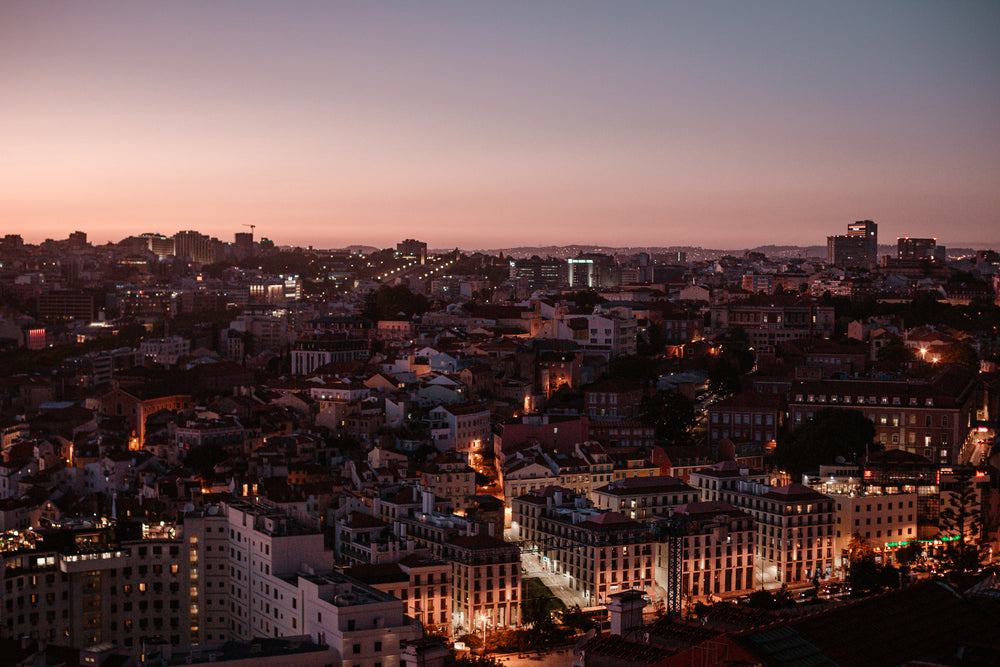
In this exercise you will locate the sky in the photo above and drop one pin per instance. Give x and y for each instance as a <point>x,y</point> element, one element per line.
<point>497,124</point>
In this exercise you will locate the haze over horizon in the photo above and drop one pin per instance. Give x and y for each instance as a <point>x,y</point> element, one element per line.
<point>494,125</point>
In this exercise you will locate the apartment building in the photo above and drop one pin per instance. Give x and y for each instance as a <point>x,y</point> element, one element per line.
<point>424,585</point>
<point>719,545</point>
<point>795,524</point>
<point>769,320</point>
<point>745,417</point>
<point>449,476</point>
<point>643,498</point>
<point>601,552</point>
<point>486,576</point>
<point>464,427</point>
<point>929,416</point>
<point>884,521</point>
<point>81,587</point>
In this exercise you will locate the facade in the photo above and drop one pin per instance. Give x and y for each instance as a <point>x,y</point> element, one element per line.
<point>82,588</point>
<point>884,521</point>
<point>164,351</point>
<point>450,477</point>
<point>486,582</point>
<point>423,584</point>
<point>745,417</point>
<point>719,544</point>
<point>310,353</point>
<point>857,250</point>
<point>795,524</point>
<point>465,427</point>
<point>772,320</point>
<point>601,552</point>
<point>643,498</point>
<point>413,248</point>
<point>929,416</point>
<point>908,248</point>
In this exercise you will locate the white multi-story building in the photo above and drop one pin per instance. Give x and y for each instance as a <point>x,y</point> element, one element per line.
<point>164,351</point>
<point>463,427</point>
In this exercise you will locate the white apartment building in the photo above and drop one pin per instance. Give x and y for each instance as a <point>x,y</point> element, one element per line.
<point>164,351</point>
<point>464,427</point>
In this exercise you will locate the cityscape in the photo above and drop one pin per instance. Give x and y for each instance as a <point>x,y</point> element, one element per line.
<point>240,451</point>
<point>454,334</point>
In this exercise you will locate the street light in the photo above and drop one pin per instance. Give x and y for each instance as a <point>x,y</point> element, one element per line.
<point>482,618</point>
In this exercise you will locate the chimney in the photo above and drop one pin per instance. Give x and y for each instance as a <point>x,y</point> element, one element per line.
<point>427,498</point>
<point>625,612</point>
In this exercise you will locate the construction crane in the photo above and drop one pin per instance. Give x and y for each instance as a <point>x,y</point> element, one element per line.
<point>252,227</point>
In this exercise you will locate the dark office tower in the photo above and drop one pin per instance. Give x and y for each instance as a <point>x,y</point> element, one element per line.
<point>910,248</point>
<point>413,248</point>
<point>78,239</point>
<point>857,250</point>
<point>244,244</point>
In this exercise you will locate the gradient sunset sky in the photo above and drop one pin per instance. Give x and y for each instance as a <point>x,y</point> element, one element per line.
<point>491,124</point>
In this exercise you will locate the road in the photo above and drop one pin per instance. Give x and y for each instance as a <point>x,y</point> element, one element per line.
<point>534,566</point>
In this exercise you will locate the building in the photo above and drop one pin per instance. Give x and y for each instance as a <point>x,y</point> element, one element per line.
<point>449,476</point>
<point>795,524</point>
<point>196,246</point>
<point>66,305</point>
<point>930,416</point>
<point>539,274</point>
<point>600,552</point>
<point>308,354</point>
<point>411,248</point>
<point>884,521</point>
<point>164,351</point>
<point>464,427</point>
<point>758,283</point>
<point>916,249</point>
<point>644,498</point>
<point>857,250</point>
<point>422,583</point>
<point>769,320</point>
<point>719,543</point>
<point>486,582</point>
<point>82,587</point>
<point>745,417</point>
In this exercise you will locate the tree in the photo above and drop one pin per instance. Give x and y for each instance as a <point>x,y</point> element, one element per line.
<point>575,618</point>
<point>671,414</point>
<point>896,353</point>
<point>865,575</point>
<point>392,303</point>
<point>634,367</point>
<point>829,434</point>
<point>961,517</point>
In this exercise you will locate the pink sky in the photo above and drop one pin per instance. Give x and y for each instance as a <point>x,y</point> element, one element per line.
<point>493,125</point>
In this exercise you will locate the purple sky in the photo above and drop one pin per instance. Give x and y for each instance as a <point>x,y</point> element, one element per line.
<point>484,124</point>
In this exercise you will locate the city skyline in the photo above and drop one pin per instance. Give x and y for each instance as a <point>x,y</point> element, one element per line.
<point>491,126</point>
